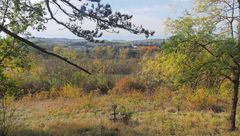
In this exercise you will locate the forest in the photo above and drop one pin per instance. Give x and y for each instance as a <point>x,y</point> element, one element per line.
<point>184,84</point>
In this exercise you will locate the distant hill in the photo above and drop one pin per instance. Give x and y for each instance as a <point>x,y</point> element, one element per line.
<point>79,43</point>
<point>156,42</point>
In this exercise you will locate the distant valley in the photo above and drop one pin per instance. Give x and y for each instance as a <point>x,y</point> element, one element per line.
<point>79,43</point>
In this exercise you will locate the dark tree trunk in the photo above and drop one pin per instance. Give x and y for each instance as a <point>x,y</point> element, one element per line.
<point>234,102</point>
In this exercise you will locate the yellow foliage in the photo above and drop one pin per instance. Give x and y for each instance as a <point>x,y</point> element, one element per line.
<point>67,91</point>
<point>162,97</point>
<point>202,100</point>
<point>41,95</point>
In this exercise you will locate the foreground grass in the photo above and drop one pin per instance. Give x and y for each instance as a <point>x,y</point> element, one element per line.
<point>88,116</point>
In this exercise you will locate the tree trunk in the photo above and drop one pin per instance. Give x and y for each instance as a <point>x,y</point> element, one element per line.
<point>234,102</point>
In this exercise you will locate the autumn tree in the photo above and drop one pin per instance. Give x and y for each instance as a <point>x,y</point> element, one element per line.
<point>18,15</point>
<point>209,41</point>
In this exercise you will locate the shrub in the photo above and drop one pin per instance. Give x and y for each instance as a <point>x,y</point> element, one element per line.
<point>66,91</point>
<point>179,100</point>
<point>202,100</point>
<point>100,82</point>
<point>147,50</point>
<point>162,97</point>
<point>136,84</point>
<point>41,95</point>
<point>69,91</point>
<point>33,87</point>
<point>120,67</point>
<point>121,86</point>
<point>126,85</point>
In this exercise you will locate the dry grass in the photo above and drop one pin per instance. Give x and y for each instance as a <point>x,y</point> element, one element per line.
<point>88,115</point>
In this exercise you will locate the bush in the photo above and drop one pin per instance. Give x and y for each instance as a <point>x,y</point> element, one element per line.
<point>41,95</point>
<point>65,91</point>
<point>202,100</point>
<point>33,87</point>
<point>126,85</point>
<point>162,98</point>
<point>99,82</point>
<point>121,86</point>
<point>122,67</point>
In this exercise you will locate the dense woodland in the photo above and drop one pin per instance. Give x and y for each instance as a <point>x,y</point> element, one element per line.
<point>186,85</point>
<point>108,65</point>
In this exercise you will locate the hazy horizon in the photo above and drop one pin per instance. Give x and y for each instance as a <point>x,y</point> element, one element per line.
<point>76,38</point>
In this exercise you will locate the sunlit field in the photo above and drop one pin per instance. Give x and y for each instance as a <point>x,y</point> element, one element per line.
<point>148,115</point>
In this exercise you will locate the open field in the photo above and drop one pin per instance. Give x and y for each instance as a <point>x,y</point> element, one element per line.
<point>88,116</point>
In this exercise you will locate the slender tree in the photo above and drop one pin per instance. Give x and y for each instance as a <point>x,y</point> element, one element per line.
<point>209,39</point>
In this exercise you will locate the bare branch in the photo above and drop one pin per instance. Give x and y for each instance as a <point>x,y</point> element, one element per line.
<point>228,77</point>
<point>31,44</point>
<point>101,14</point>
<point>205,48</point>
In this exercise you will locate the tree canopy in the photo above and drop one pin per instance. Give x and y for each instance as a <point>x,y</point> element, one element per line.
<point>206,45</point>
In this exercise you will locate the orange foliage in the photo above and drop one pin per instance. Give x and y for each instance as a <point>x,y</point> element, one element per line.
<point>121,86</point>
<point>145,49</point>
<point>126,85</point>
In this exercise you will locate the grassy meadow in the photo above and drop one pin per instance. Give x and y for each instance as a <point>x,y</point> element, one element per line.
<point>150,115</point>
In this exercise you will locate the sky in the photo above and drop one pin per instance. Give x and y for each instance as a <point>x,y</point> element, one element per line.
<point>150,13</point>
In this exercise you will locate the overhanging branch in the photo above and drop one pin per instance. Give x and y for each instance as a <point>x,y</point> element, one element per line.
<point>206,49</point>
<point>31,44</point>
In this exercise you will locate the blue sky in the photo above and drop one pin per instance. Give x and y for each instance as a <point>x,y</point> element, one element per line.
<point>149,13</point>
